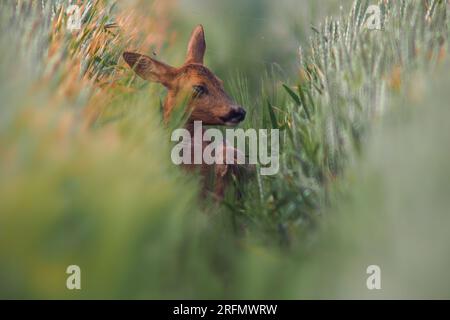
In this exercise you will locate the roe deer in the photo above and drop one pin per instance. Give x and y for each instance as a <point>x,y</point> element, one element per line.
<point>206,98</point>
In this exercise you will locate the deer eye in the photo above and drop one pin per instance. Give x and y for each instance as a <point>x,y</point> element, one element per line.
<point>199,90</point>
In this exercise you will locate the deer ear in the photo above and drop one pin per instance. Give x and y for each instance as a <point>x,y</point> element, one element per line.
<point>197,46</point>
<point>150,69</point>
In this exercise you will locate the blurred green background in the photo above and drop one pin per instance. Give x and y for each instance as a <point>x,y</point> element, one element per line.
<point>246,37</point>
<point>86,177</point>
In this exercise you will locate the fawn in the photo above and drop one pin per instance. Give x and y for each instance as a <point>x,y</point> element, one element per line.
<point>206,98</point>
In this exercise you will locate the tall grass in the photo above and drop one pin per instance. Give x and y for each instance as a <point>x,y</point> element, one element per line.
<point>81,182</point>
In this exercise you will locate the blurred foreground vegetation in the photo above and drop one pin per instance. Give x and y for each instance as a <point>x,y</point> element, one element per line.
<point>86,177</point>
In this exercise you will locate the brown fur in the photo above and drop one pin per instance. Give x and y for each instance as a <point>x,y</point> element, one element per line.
<point>212,105</point>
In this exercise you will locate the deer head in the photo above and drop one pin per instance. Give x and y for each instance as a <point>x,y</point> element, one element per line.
<point>206,98</point>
